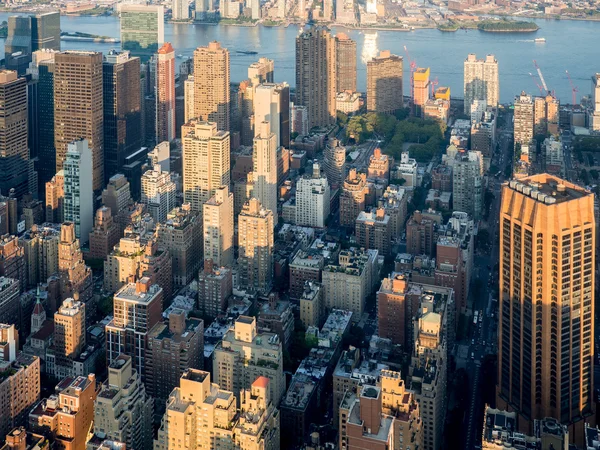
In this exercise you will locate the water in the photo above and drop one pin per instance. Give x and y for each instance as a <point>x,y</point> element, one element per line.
<point>570,45</point>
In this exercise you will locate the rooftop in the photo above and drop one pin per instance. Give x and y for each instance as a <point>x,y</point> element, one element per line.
<point>301,389</point>
<point>548,189</point>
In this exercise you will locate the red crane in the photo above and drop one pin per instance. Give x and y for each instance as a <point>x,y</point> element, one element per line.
<point>574,89</point>
<point>537,84</point>
<point>413,67</point>
<point>433,83</point>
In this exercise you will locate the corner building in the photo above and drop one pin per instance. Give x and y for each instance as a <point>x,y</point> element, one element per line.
<point>546,329</point>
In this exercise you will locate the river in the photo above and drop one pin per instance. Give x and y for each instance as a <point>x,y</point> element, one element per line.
<point>570,45</point>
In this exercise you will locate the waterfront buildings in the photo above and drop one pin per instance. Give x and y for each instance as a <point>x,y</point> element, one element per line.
<point>211,90</point>
<point>244,354</point>
<point>345,57</point>
<point>180,10</point>
<point>547,248</point>
<point>384,83</point>
<point>316,75</point>
<point>142,29</point>
<point>79,108</point>
<point>481,81</point>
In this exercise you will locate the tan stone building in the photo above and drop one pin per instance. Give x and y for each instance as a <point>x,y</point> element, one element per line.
<point>105,234</point>
<point>211,85</point>
<point>206,161</point>
<point>373,231</point>
<point>75,276</point>
<point>123,409</point>
<point>546,112</point>
<point>264,170</point>
<point>173,347</point>
<point>55,195</point>
<point>523,122</point>
<point>384,83</point>
<point>78,107</point>
<point>215,286</point>
<point>202,412</point>
<point>312,305</point>
<point>244,355</point>
<point>256,241</point>
<point>547,252</point>
<point>345,57</point>
<point>218,228</point>
<point>12,260</point>
<point>316,75</point>
<point>69,333</point>
<point>379,166</point>
<point>353,197</point>
<point>68,414</point>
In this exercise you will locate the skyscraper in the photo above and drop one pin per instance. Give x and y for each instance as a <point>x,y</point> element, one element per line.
<point>264,168</point>
<point>420,89</point>
<point>545,329</point>
<point>158,193</point>
<point>523,119</point>
<point>45,31</point>
<point>16,170</point>
<point>122,110</point>
<point>211,85</point>
<point>78,203</point>
<point>79,107</point>
<point>255,235</point>
<point>75,277</point>
<point>546,111</point>
<point>45,104</point>
<point>316,75</point>
<point>481,81</point>
<point>165,93</point>
<point>384,83</point>
<point>345,57</point>
<point>467,183</point>
<point>272,104</point>
<point>69,332</point>
<point>206,162</point>
<point>218,228</point>
<point>180,10</point>
<point>595,113</point>
<point>261,71</point>
<point>142,29</point>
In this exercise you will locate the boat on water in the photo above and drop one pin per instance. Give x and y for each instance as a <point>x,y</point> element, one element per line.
<point>180,56</point>
<point>539,40</point>
<point>247,52</point>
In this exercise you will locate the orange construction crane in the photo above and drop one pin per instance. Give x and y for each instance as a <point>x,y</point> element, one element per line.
<point>574,89</point>
<point>433,83</point>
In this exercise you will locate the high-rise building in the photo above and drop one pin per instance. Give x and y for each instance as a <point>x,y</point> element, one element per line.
<point>353,197</point>
<point>255,240</point>
<point>467,183</point>
<point>313,199</point>
<point>335,163</point>
<point>142,29</point>
<point>173,348</point>
<point>165,93</point>
<point>20,382</point>
<point>244,354</point>
<point>137,307</point>
<point>70,424</point>
<point>69,331</point>
<point>12,262</point>
<point>422,232</point>
<point>546,331</point>
<point>264,170</point>
<point>523,119</point>
<point>75,277</point>
<point>215,286</point>
<point>79,107</point>
<point>420,90</point>
<point>316,75</point>
<point>258,425</point>
<point>78,204</point>
<point>123,409</point>
<point>200,410</point>
<point>272,104</point>
<point>181,235</point>
<point>345,58</point>
<point>9,299</point>
<point>384,83</point>
<point>105,234</point>
<point>256,12</point>
<point>188,99</point>
<point>218,228</point>
<point>481,81</point>
<point>546,111</point>
<point>158,193</point>
<point>211,85</point>
<point>16,171</point>
<point>122,110</point>
<point>595,114</point>
<point>373,230</point>
<point>116,195</point>
<point>45,106</point>
<point>206,161</point>
<point>261,71</point>
<point>180,10</point>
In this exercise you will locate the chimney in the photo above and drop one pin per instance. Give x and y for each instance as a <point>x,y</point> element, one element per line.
<point>17,439</point>
<point>177,322</point>
<point>142,286</point>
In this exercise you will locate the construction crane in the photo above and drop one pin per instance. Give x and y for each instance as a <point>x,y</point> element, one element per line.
<point>574,89</point>
<point>537,84</point>
<point>433,83</point>
<point>539,71</point>
<point>413,68</point>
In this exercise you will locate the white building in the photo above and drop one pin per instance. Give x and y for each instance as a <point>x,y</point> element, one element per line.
<point>218,228</point>
<point>312,200</point>
<point>158,193</point>
<point>481,81</point>
<point>271,104</point>
<point>255,7</point>
<point>264,162</point>
<point>407,171</point>
<point>79,193</point>
<point>347,102</point>
<point>467,183</point>
<point>595,113</point>
<point>180,10</point>
<point>554,152</point>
